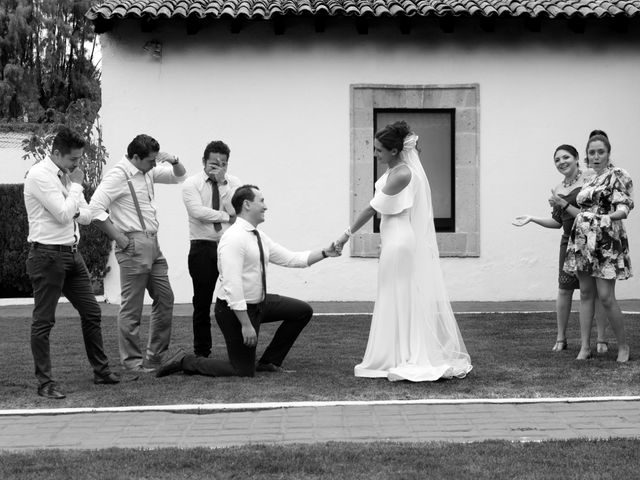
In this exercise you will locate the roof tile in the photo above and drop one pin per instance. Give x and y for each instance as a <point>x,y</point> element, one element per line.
<point>265,9</point>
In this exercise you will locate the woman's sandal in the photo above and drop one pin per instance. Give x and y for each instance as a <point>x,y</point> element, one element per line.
<point>560,345</point>
<point>602,346</point>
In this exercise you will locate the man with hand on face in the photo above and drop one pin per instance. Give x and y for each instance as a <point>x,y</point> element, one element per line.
<point>207,197</point>
<point>243,303</point>
<point>127,193</point>
<point>53,196</point>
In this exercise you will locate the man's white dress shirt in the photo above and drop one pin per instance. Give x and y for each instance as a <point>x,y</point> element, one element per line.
<point>197,198</point>
<point>113,194</point>
<point>52,202</point>
<point>240,280</point>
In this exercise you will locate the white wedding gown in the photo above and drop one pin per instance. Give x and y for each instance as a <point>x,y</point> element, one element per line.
<point>414,335</point>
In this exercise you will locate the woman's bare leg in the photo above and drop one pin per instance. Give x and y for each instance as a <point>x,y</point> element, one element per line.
<point>600,316</point>
<point>563,310</point>
<point>587,297</point>
<point>607,294</point>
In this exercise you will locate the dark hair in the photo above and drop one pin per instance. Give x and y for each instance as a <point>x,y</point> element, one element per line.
<point>568,148</point>
<point>598,132</point>
<point>142,145</point>
<point>66,140</point>
<point>217,146</point>
<point>393,135</point>
<point>599,138</point>
<point>245,192</point>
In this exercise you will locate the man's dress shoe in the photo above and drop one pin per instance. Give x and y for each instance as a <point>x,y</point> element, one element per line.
<point>171,364</point>
<point>50,391</point>
<point>108,379</point>
<point>269,367</point>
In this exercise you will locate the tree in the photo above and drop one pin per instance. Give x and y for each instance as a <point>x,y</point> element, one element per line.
<point>47,50</point>
<point>49,77</point>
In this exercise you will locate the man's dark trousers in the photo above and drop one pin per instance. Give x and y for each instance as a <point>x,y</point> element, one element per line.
<point>294,314</point>
<point>203,268</point>
<point>53,273</point>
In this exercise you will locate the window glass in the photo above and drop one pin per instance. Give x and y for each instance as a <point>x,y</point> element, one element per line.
<point>435,129</point>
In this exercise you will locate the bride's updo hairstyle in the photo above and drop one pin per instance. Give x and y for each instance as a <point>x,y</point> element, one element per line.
<point>392,136</point>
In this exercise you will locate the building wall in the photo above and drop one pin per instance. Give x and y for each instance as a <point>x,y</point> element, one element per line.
<point>14,168</point>
<point>282,104</point>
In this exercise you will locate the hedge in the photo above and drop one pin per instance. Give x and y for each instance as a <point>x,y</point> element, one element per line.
<point>14,282</point>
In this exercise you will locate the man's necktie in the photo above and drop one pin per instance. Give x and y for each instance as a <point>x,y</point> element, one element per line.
<point>65,182</point>
<point>262,264</point>
<point>215,202</point>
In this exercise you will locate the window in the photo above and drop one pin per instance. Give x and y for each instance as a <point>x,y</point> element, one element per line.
<point>436,131</point>
<point>446,120</point>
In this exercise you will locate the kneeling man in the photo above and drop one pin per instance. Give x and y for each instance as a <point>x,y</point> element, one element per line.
<point>243,303</point>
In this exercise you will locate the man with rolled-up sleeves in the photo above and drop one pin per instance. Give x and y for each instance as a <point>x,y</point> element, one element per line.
<point>55,204</point>
<point>124,208</point>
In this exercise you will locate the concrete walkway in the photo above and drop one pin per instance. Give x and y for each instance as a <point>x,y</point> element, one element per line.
<point>410,422</point>
<point>413,421</point>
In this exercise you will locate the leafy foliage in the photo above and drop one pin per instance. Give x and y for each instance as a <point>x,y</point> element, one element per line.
<point>81,116</point>
<point>47,59</point>
<point>49,76</point>
<point>14,282</point>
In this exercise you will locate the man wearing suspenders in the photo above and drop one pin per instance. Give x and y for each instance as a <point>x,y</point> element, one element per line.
<point>123,207</point>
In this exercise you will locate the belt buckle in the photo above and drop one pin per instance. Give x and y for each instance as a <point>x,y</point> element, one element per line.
<point>74,248</point>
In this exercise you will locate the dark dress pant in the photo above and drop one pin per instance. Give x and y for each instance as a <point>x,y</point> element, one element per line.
<point>294,315</point>
<point>53,273</point>
<point>203,268</point>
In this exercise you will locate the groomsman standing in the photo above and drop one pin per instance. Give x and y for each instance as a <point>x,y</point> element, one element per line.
<point>207,197</point>
<point>55,204</point>
<point>123,206</point>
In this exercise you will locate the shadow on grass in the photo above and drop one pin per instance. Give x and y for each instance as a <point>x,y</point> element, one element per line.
<point>511,356</point>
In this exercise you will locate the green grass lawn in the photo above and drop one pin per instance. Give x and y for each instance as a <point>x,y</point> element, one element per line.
<point>511,356</point>
<point>575,459</point>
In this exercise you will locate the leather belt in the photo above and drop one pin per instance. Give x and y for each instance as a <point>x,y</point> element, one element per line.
<point>204,242</point>
<point>56,248</point>
<point>140,232</point>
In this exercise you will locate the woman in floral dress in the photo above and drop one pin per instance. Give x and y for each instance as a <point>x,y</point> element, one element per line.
<point>598,250</point>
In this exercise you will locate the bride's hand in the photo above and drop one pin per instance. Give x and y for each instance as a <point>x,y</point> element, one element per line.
<point>333,251</point>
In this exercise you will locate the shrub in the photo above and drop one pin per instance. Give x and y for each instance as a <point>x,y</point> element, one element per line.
<point>14,282</point>
<point>14,248</point>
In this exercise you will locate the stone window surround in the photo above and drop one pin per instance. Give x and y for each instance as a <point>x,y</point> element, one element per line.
<point>465,241</point>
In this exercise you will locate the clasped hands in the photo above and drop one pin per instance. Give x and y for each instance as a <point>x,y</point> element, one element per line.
<point>332,251</point>
<point>339,243</point>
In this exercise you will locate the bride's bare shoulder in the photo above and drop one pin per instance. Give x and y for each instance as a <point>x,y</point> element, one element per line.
<point>399,178</point>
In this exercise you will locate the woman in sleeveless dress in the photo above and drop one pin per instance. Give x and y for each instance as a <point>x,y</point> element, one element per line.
<point>414,335</point>
<point>565,209</point>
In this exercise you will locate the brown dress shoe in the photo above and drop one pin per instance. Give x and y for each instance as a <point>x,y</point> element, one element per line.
<point>269,367</point>
<point>171,364</point>
<point>49,390</point>
<point>108,379</point>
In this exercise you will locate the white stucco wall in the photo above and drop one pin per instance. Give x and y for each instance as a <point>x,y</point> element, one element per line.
<point>282,104</point>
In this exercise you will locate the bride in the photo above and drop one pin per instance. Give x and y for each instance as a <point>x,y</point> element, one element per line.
<point>414,335</point>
